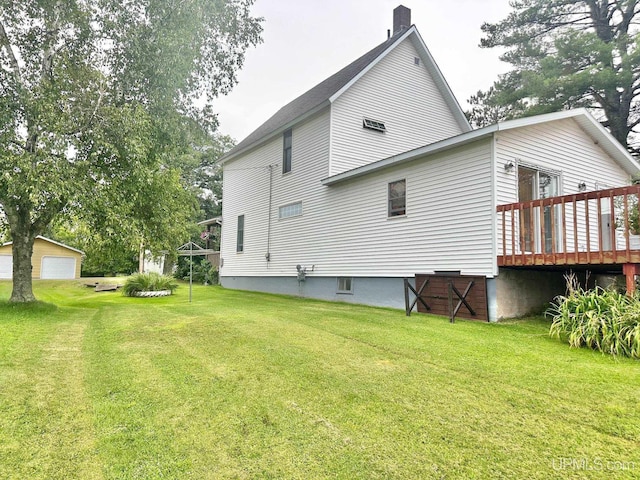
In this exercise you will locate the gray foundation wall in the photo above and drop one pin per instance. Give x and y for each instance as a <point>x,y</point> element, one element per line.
<point>513,293</point>
<point>380,292</point>
<point>520,292</point>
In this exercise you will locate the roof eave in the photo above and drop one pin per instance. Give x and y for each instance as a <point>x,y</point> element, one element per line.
<point>431,66</point>
<point>411,155</point>
<point>50,241</point>
<point>590,126</point>
<point>585,120</point>
<point>228,157</point>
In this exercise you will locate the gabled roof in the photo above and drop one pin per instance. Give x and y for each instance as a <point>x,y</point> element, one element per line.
<point>330,89</point>
<point>581,116</point>
<point>51,241</point>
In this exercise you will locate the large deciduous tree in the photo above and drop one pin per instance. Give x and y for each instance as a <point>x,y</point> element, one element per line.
<point>100,103</point>
<point>567,54</point>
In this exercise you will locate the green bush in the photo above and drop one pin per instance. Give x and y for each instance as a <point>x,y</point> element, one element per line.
<point>604,320</point>
<point>203,272</point>
<point>148,282</point>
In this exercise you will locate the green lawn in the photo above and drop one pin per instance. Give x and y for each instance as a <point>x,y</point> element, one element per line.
<point>247,385</point>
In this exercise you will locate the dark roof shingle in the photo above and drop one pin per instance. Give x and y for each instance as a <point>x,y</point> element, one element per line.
<point>313,98</point>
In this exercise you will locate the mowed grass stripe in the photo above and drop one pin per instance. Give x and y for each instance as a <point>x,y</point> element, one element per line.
<point>45,412</point>
<point>246,385</point>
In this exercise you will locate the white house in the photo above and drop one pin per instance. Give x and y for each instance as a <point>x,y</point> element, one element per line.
<point>375,175</point>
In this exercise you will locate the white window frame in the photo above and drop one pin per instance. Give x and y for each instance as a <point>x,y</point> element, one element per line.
<point>290,210</point>
<point>240,229</point>
<point>375,125</point>
<point>389,209</point>
<point>345,285</point>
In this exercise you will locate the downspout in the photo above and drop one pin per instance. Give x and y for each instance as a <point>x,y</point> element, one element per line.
<point>267,255</point>
<point>494,199</point>
<point>492,284</point>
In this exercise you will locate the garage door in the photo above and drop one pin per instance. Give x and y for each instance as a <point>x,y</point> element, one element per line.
<point>6,266</point>
<point>58,268</point>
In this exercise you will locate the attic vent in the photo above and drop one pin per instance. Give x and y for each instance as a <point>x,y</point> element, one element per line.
<point>373,125</point>
<point>416,61</point>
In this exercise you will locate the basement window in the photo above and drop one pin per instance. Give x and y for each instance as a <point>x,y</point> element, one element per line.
<point>373,125</point>
<point>345,285</point>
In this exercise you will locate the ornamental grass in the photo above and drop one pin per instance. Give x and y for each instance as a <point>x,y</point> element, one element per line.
<point>148,282</point>
<point>602,319</point>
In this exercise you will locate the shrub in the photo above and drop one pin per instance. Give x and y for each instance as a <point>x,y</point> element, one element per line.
<point>148,282</point>
<point>203,272</point>
<point>604,320</point>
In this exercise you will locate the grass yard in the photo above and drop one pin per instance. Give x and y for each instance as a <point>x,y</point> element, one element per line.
<point>247,385</point>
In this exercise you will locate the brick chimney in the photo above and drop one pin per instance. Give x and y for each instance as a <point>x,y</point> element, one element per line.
<point>401,18</point>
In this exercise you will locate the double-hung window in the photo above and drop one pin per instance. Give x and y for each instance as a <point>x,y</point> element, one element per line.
<point>397,198</point>
<point>240,234</point>
<point>286,151</point>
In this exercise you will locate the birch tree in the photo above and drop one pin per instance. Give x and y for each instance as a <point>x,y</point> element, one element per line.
<point>100,101</point>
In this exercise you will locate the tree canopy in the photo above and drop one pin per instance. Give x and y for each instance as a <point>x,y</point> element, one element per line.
<point>566,54</point>
<point>102,104</point>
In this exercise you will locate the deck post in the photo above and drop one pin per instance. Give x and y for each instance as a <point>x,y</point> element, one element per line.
<point>630,271</point>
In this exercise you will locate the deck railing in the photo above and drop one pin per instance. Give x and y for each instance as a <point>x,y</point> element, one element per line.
<point>587,228</point>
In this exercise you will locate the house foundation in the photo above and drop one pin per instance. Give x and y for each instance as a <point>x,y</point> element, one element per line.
<point>520,292</point>
<point>378,291</point>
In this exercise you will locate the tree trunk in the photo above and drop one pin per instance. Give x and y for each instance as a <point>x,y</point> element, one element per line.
<point>22,252</point>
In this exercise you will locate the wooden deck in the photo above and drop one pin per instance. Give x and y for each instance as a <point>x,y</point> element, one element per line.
<point>589,228</point>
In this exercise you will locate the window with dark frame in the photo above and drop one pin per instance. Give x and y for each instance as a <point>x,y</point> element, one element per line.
<point>397,198</point>
<point>286,151</point>
<point>240,234</point>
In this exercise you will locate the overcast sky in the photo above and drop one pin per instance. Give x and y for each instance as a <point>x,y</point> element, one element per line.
<point>306,41</point>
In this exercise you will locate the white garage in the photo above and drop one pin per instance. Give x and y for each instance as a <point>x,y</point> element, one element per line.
<point>58,268</point>
<point>6,266</point>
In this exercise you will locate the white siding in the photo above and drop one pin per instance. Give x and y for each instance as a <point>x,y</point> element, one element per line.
<point>400,94</point>
<point>344,229</point>
<point>246,192</point>
<point>560,146</point>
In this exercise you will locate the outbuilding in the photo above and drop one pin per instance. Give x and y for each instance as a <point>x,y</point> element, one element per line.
<point>50,260</point>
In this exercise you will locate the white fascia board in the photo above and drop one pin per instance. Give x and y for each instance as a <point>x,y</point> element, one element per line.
<point>364,71</point>
<point>441,82</point>
<point>274,134</point>
<point>60,244</point>
<point>537,119</point>
<point>590,125</point>
<point>411,155</point>
<point>51,241</point>
<point>211,221</point>
<point>610,145</point>
<point>430,65</point>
